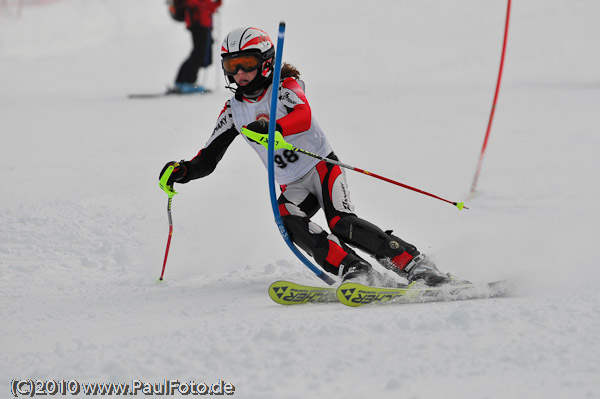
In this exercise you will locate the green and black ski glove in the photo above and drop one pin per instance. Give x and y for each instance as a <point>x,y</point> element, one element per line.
<point>178,175</point>
<point>262,127</point>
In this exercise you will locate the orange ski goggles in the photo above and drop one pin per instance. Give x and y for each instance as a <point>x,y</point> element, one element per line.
<point>246,62</point>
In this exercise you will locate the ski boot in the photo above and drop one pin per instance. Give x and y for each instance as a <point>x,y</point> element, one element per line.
<point>363,273</point>
<point>421,268</point>
<point>186,88</point>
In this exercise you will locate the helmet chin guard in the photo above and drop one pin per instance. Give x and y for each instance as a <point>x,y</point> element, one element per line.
<point>253,40</point>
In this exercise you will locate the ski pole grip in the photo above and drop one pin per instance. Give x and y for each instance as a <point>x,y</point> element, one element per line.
<point>263,139</point>
<point>163,182</point>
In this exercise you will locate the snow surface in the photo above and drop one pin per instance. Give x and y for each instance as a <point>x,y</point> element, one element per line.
<point>402,88</point>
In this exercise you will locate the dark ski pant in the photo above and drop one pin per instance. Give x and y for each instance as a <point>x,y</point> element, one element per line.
<point>325,188</point>
<point>201,55</point>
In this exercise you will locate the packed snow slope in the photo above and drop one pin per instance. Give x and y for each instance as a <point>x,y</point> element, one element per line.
<point>402,88</point>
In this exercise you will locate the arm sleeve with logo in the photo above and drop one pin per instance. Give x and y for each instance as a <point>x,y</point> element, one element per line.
<point>299,114</point>
<point>208,157</point>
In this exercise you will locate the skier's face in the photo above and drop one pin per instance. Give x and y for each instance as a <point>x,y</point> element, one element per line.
<point>243,78</point>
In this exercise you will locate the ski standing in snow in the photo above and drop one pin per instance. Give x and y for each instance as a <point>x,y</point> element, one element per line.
<point>307,184</point>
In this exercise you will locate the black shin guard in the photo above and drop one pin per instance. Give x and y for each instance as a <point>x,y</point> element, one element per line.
<point>371,239</point>
<point>318,245</point>
<point>297,228</point>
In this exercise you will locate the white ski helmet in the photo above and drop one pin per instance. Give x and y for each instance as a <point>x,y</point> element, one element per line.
<point>248,49</point>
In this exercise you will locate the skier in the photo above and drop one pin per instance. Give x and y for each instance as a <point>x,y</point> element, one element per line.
<point>197,15</point>
<point>307,184</point>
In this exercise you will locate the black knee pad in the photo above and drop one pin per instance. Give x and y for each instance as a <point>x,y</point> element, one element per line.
<point>298,229</point>
<point>311,238</point>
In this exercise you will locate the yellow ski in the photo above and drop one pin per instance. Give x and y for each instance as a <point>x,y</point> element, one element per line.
<point>288,293</point>
<point>354,294</point>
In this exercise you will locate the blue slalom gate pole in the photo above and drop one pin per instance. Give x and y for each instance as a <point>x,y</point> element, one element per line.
<point>271,166</point>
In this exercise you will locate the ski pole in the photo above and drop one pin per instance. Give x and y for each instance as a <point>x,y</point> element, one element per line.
<point>280,143</point>
<point>171,193</point>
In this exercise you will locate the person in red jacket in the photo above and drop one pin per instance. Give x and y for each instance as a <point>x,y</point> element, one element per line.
<point>198,19</point>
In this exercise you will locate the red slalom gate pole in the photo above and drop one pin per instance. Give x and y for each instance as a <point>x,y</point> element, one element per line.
<point>489,126</point>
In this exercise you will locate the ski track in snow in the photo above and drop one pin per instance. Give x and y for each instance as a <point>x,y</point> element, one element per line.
<point>84,225</point>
